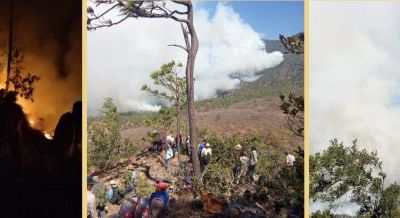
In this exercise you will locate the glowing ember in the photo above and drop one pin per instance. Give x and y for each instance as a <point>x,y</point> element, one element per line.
<point>32,122</point>
<point>47,135</point>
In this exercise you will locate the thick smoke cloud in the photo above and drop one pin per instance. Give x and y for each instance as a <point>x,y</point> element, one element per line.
<point>48,34</point>
<point>355,78</point>
<point>121,58</point>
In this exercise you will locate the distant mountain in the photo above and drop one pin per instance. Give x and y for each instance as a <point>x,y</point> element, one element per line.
<point>273,45</point>
<point>291,70</point>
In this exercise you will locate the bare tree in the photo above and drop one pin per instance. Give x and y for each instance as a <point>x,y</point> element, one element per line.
<point>157,9</point>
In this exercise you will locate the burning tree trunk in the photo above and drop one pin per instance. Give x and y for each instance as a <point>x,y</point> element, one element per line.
<point>157,9</point>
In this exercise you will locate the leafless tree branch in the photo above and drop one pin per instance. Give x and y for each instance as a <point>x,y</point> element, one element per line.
<point>179,46</point>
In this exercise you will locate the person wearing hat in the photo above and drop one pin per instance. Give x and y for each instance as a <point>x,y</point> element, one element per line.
<point>201,146</point>
<point>160,194</point>
<point>206,155</point>
<point>113,194</point>
<point>91,199</point>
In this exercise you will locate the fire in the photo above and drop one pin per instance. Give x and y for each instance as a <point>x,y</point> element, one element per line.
<point>31,121</point>
<point>47,135</point>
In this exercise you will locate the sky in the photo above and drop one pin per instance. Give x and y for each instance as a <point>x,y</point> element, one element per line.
<point>267,18</point>
<point>121,58</point>
<point>355,78</point>
<point>52,50</point>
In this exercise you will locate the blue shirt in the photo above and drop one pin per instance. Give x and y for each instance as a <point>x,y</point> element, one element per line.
<point>169,154</point>
<point>110,193</point>
<point>201,146</point>
<point>160,195</point>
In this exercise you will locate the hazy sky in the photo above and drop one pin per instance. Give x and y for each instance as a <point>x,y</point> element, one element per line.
<point>121,58</point>
<point>355,77</point>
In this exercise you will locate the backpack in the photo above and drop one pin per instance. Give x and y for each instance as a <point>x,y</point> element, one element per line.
<point>116,197</point>
<point>157,207</point>
<point>137,209</point>
<point>206,158</point>
<point>201,146</point>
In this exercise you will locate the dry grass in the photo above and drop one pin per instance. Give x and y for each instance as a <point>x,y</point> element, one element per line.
<point>261,116</point>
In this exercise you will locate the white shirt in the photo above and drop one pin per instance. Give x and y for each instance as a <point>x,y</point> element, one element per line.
<point>91,204</point>
<point>254,158</point>
<point>290,159</point>
<point>206,151</point>
<point>170,139</point>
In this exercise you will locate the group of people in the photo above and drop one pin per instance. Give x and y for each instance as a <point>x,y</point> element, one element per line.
<point>205,153</point>
<point>20,142</point>
<point>246,163</point>
<point>99,194</point>
<point>172,146</point>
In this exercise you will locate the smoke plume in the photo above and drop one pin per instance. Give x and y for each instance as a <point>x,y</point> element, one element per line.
<point>121,58</point>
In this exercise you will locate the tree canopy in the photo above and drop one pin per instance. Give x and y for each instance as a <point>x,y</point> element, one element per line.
<point>348,174</point>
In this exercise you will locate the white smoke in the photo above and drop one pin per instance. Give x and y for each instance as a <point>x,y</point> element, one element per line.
<point>121,58</point>
<point>355,77</point>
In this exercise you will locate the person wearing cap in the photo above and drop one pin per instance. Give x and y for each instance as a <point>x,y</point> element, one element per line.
<point>160,194</point>
<point>91,199</point>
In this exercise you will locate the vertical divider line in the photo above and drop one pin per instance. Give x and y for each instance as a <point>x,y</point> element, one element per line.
<point>306,110</point>
<point>84,109</point>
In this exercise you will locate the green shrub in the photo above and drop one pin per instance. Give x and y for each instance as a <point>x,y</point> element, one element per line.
<point>143,189</point>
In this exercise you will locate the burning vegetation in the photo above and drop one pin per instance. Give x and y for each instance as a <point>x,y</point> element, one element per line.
<point>40,108</point>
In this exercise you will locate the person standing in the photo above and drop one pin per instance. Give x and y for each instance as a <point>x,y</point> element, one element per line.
<point>100,191</point>
<point>169,153</point>
<point>201,146</point>
<point>189,147</point>
<point>244,160</point>
<point>252,165</point>
<point>206,155</point>
<point>290,159</point>
<point>91,199</point>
